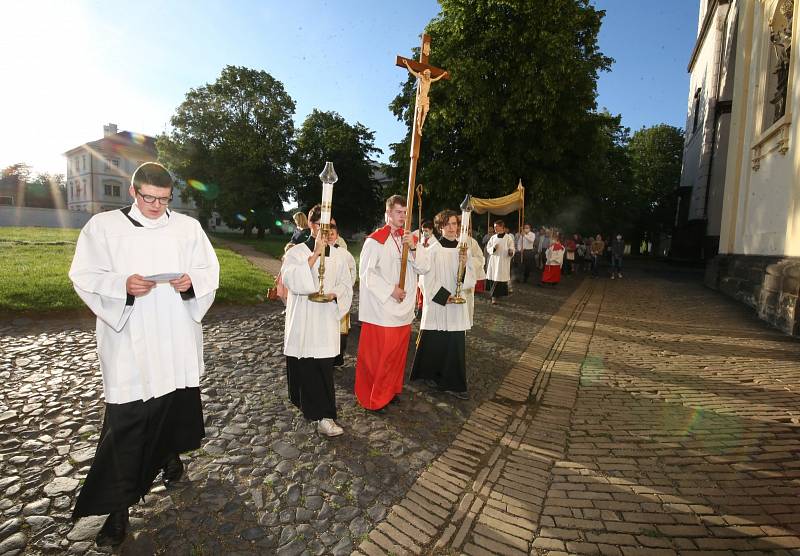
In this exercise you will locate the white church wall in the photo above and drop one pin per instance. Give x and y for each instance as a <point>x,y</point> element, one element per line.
<point>760,208</point>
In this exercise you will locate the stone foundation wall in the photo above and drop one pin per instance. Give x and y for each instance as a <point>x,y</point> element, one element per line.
<point>770,285</point>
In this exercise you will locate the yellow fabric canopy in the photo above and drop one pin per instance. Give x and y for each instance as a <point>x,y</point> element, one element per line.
<point>501,205</point>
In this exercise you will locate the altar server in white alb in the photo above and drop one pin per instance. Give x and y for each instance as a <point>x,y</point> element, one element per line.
<point>498,272</point>
<point>336,241</point>
<point>149,274</point>
<point>478,262</point>
<point>311,341</point>
<point>385,308</point>
<point>441,347</point>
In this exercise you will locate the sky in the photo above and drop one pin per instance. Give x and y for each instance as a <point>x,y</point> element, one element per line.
<point>70,67</point>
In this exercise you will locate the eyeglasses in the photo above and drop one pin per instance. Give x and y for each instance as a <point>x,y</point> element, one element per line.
<point>150,199</point>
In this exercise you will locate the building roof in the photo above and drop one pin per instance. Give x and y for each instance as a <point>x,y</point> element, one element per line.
<point>120,142</point>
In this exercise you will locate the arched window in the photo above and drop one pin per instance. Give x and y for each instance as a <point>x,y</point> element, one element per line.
<point>780,39</point>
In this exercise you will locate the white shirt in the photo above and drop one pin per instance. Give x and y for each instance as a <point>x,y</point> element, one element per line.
<point>499,268</point>
<point>154,346</point>
<point>379,273</point>
<point>555,256</point>
<point>526,241</point>
<point>442,273</point>
<point>312,329</point>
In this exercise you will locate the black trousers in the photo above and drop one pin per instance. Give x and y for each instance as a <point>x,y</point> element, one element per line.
<point>528,263</point>
<point>310,383</point>
<point>440,357</point>
<point>136,440</point>
<point>338,361</point>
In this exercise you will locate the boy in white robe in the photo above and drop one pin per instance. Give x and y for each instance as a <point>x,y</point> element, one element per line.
<point>477,261</point>
<point>150,275</point>
<point>386,309</point>
<point>441,347</point>
<point>336,241</point>
<point>498,272</point>
<point>311,340</point>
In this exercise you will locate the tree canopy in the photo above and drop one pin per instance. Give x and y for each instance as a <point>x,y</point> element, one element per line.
<point>326,136</point>
<point>232,140</point>
<point>656,155</point>
<point>42,191</point>
<point>520,102</point>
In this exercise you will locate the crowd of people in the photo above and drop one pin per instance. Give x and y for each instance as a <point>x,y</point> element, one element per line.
<point>553,253</point>
<point>150,275</point>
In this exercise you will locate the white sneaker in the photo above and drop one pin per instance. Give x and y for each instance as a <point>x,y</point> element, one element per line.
<point>612,276</point>
<point>328,427</point>
<point>619,275</point>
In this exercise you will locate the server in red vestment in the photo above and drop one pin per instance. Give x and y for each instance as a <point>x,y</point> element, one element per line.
<point>386,310</point>
<point>554,258</point>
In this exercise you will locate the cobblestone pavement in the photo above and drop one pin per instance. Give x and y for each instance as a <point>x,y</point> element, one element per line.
<point>264,481</point>
<point>650,416</point>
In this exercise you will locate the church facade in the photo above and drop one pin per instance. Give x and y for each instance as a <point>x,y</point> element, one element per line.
<point>708,117</point>
<point>99,172</point>
<point>751,177</point>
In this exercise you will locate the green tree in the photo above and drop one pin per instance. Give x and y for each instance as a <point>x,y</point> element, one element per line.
<point>46,191</point>
<point>234,137</point>
<point>13,181</point>
<point>520,102</point>
<point>326,136</point>
<point>656,155</point>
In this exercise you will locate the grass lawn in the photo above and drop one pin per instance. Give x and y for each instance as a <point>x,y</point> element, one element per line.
<point>33,276</point>
<point>271,244</point>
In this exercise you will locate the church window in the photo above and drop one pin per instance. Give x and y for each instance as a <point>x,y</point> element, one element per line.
<point>696,110</point>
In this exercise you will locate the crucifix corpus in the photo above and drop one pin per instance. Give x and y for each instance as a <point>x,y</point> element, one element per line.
<point>425,74</point>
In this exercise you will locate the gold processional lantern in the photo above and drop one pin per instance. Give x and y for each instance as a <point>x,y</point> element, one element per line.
<point>328,177</point>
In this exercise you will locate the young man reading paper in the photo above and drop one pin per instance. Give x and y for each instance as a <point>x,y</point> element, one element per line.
<point>150,275</point>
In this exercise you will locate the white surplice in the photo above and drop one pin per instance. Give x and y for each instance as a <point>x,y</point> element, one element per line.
<point>440,278</point>
<point>499,268</point>
<point>312,329</point>
<point>379,273</point>
<point>154,346</point>
<point>478,261</point>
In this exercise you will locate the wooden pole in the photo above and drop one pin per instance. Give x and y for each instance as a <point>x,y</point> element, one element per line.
<point>419,208</point>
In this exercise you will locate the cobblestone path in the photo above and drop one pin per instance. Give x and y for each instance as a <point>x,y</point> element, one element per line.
<point>650,416</point>
<point>264,481</point>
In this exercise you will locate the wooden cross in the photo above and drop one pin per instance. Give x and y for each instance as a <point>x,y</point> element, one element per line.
<point>425,74</point>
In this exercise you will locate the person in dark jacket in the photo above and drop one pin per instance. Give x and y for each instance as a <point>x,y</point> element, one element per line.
<point>617,251</point>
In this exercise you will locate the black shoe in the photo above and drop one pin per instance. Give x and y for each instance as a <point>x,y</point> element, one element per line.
<point>430,383</point>
<point>114,529</point>
<point>172,471</point>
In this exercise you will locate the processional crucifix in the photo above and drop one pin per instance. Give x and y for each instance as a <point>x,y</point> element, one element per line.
<point>425,74</point>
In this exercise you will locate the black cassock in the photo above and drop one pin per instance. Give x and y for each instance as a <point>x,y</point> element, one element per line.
<point>136,440</point>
